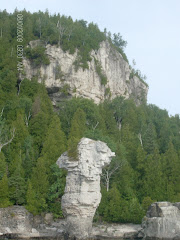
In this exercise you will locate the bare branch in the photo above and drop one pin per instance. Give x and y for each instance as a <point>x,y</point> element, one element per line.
<point>27,118</point>
<point>140,139</point>
<point>2,112</point>
<point>9,141</point>
<point>19,85</point>
<point>61,30</point>
<point>107,174</point>
<point>95,126</point>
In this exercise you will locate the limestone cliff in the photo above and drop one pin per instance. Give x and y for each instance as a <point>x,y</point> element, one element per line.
<point>82,193</point>
<point>61,74</point>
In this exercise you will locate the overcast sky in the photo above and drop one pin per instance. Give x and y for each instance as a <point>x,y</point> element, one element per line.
<point>151,28</point>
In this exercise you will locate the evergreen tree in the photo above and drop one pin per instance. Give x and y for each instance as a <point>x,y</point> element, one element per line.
<point>34,204</point>
<point>3,166</point>
<point>171,169</point>
<point>40,179</point>
<point>149,138</point>
<point>153,180</point>
<point>56,190</point>
<point>4,192</point>
<point>78,126</point>
<point>54,143</point>
<point>17,186</point>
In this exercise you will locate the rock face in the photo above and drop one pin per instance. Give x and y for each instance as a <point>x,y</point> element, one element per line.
<point>17,223</point>
<point>15,219</point>
<point>60,75</point>
<point>82,193</point>
<point>162,221</point>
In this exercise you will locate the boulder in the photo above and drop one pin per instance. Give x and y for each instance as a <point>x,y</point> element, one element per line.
<point>162,221</point>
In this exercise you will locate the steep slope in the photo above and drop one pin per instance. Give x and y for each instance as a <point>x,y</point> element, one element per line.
<point>61,77</point>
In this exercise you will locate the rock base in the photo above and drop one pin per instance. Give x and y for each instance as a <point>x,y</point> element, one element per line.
<point>162,221</point>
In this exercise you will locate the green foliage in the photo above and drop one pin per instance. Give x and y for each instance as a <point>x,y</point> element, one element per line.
<point>56,191</point>
<point>54,144</point>
<point>35,203</point>
<point>138,74</point>
<point>118,41</point>
<point>58,73</point>
<point>3,165</point>
<point>17,186</point>
<point>100,73</point>
<point>4,192</point>
<point>78,127</point>
<point>65,89</point>
<point>108,92</point>
<point>147,201</point>
<point>37,55</point>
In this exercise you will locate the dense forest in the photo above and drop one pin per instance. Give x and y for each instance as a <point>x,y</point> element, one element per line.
<point>32,135</point>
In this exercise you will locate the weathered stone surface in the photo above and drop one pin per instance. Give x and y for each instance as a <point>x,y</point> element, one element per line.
<point>17,223</point>
<point>82,193</point>
<point>116,231</point>
<point>15,219</point>
<point>162,221</point>
<point>87,83</point>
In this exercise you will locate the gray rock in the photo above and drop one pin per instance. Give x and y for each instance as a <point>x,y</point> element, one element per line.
<point>162,221</point>
<point>17,223</point>
<point>116,231</point>
<point>82,193</point>
<point>15,219</point>
<point>86,83</point>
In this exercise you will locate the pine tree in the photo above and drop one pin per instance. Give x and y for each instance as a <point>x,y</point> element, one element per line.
<point>153,182</point>
<point>3,166</point>
<point>56,190</point>
<point>171,170</point>
<point>130,141</point>
<point>135,212</point>
<point>4,192</point>
<point>35,203</point>
<point>78,126</point>
<point>54,144</point>
<point>17,186</point>
<point>150,138</point>
<point>31,199</point>
<point>140,168</point>
<point>40,179</point>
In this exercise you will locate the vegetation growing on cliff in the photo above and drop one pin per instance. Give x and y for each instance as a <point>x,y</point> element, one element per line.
<point>37,55</point>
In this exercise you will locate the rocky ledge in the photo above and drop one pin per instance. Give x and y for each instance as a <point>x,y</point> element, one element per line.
<point>17,223</point>
<point>162,222</point>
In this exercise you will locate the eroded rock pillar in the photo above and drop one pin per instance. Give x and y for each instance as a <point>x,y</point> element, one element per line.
<point>82,193</point>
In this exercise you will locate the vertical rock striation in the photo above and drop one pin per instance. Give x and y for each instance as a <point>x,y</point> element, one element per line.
<point>82,193</point>
<point>61,73</point>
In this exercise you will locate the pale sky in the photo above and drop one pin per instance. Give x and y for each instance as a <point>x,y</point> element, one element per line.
<point>151,28</point>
